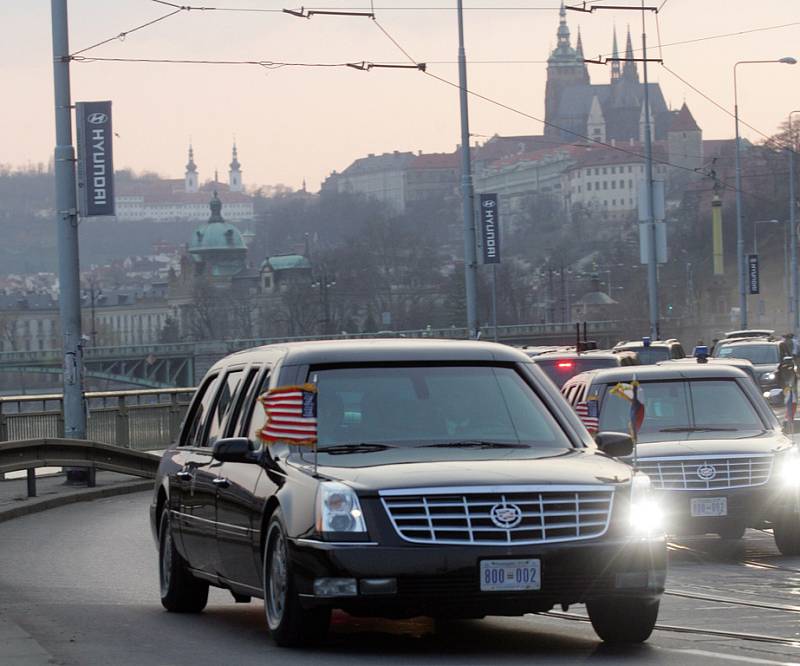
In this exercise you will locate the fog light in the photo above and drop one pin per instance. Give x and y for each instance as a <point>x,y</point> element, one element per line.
<point>335,587</point>
<point>378,586</point>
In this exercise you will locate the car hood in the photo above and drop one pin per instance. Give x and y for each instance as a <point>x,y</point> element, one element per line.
<point>577,467</point>
<point>699,443</point>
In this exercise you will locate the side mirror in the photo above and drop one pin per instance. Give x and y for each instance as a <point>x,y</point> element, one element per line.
<point>774,397</point>
<point>235,449</point>
<point>615,444</point>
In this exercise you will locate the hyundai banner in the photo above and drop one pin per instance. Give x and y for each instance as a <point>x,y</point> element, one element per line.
<point>490,229</point>
<point>753,277</point>
<point>95,162</point>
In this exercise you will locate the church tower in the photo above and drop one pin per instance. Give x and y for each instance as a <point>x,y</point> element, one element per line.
<point>565,68</point>
<point>190,178</point>
<point>235,173</point>
<point>630,72</point>
<point>615,65</point>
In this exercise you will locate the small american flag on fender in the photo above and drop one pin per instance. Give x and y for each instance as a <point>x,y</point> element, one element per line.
<point>587,412</point>
<point>291,414</point>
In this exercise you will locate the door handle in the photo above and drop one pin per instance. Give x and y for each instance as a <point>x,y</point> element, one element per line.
<point>221,482</point>
<point>183,475</point>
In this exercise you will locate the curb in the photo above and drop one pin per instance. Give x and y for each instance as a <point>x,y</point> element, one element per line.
<point>36,505</point>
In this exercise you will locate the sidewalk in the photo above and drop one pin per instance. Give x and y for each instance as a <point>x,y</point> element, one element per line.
<point>52,492</point>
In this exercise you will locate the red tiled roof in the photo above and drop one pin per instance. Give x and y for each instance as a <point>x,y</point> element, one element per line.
<point>435,161</point>
<point>172,192</point>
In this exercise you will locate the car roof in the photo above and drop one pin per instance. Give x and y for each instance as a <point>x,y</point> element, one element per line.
<point>646,373</point>
<point>729,360</point>
<point>638,344</point>
<point>370,350</point>
<point>575,355</point>
<point>744,342</point>
<point>749,333</point>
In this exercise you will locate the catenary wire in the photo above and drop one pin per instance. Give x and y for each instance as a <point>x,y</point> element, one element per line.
<point>122,35</point>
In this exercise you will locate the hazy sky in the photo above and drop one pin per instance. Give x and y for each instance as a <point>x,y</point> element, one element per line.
<point>293,123</point>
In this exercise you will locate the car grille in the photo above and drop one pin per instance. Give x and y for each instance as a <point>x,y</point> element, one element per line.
<point>538,514</point>
<point>708,472</point>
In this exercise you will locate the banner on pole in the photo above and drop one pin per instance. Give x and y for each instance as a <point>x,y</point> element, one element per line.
<point>753,278</point>
<point>490,229</point>
<point>95,159</point>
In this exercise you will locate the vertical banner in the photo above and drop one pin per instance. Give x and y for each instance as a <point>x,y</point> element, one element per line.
<point>490,229</point>
<point>753,279</point>
<point>95,160</point>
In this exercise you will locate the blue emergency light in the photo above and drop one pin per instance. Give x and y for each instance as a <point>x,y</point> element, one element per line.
<point>646,341</point>
<point>701,353</point>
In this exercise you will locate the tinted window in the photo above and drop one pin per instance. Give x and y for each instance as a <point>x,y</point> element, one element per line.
<point>652,355</point>
<point>222,406</point>
<point>676,405</point>
<point>199,414</point>
<point>754,353</point>
<point>412,405</point>
<point>561,369</point>
<point>257,414</point>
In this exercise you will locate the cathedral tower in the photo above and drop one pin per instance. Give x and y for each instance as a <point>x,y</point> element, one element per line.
<point>235,173</point>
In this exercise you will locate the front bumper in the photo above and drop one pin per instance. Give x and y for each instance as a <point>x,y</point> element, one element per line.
<point>756,506</point>
<point>444,580</point>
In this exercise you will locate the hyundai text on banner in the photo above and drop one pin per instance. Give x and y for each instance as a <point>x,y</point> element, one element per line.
<point>753,277</point>
<point>490,229</point>
<point>95,162</point>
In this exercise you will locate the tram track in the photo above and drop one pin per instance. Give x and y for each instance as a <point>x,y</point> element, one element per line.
<point>706,558</point>
<point>717,633</point>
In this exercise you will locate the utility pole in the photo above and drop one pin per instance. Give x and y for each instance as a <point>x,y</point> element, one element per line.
<point>793,282</point>
<point>652,258</point>
<point>67,219</point>
<point>467,190</point>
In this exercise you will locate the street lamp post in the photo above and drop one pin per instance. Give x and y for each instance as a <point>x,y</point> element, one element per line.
<point>755,251</point>
<point>794,294</point>
<point>324,283</point>
<point>739,230</point>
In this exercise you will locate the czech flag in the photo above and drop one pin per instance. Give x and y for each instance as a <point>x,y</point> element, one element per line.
<point>637,410</point>
<point>791,404</point>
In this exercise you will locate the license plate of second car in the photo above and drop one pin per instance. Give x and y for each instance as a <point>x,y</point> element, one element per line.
<point>709,506</point>
<point>510,575</point>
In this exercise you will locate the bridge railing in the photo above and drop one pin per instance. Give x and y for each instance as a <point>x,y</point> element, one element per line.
<point>141,420</point>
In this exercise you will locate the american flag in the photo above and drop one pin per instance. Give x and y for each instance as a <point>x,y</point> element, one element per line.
<point>588,413</point>
<point>291,414</point>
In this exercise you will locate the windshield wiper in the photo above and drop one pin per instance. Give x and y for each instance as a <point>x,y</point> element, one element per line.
<point>361,447</point>
<point>696,429</point>
<point>478,444</point>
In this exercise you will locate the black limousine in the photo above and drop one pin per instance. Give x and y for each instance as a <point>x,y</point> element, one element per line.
<point>448,479</point>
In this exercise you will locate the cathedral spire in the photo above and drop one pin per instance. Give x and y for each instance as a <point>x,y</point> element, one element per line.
<point>563,29</point>
<point>579,45</point>
<point>630,71</point>
<point>615,68</point>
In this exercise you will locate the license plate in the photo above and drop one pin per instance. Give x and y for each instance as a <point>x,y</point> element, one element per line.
<point>709,506</point>
<point>505,575</point>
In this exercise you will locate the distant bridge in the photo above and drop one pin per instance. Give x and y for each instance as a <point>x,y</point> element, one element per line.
<point>183,364</point>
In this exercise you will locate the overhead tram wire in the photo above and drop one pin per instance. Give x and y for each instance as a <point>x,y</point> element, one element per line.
<point>122,35</point>
<point>364,65</point>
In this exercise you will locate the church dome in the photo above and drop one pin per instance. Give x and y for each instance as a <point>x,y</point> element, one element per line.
<point>216,234</point>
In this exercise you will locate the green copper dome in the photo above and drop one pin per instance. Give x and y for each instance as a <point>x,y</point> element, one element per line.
<point>216,234</point>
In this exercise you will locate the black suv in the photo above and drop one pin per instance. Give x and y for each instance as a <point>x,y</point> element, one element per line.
<point>772,359</point>
<point>449,479</point>
<point>714,451</point>
<point>559,366</point>
<point>652,351</point>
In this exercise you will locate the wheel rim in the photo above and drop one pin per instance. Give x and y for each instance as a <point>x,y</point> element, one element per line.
<point>166,558</point>
<point>276,582</point>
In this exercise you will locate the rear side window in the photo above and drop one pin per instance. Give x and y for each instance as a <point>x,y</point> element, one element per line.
<point>198,417</point>
<point>223,406</point>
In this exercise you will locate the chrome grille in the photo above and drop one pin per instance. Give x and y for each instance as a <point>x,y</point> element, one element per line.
<point>464,515</point>
<point>694,472</point>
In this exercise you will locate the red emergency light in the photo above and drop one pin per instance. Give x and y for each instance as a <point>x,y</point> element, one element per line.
<point>565,365</point>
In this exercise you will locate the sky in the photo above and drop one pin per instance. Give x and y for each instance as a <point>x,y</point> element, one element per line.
<point>301,123</point>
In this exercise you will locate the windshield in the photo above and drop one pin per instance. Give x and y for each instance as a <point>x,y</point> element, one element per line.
<point>683,406</point>
<point>651,355</point>
<point>415,405</point>
<point>561,369</point>
<point>756,354</point>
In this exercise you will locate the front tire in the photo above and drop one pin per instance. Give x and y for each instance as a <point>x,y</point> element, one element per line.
<point>786,530</point>
<point>623,620</point>
<point>289,623</point>
<point>180,591</point>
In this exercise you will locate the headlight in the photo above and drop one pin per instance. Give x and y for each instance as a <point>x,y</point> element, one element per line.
<point>768,376</point>
<point>789,470</point>
<point>646,517</point>
<point>338,510</point>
